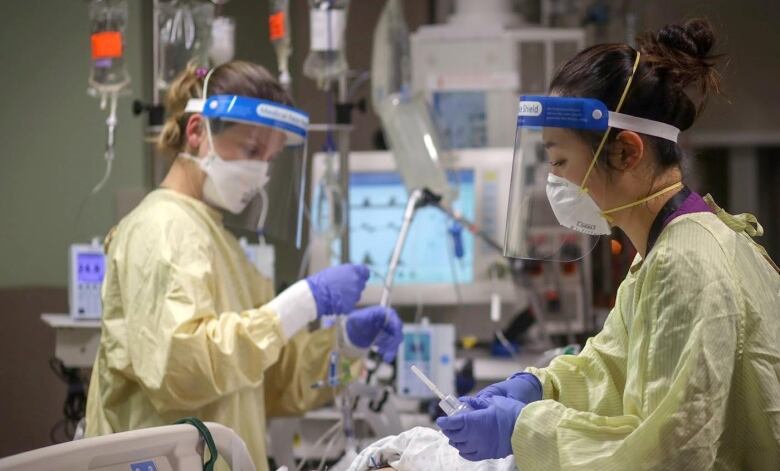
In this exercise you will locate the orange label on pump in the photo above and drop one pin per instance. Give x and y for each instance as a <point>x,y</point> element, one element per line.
<point>106,45</point>
<point>276,26</point>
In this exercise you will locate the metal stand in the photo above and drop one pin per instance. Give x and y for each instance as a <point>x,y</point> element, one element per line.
<point>417,199</point>
<point>343,147</point>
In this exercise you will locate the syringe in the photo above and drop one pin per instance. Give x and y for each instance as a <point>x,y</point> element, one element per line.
<point>449,404</point>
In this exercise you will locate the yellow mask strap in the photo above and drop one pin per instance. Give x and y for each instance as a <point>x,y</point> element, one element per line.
<point>643,200</point>
<point>606,133</point>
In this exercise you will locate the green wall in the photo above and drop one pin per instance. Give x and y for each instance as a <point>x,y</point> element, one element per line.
<point>53,137</point>
<point>53,133</point>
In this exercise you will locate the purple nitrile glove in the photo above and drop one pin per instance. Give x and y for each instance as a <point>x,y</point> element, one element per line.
<point>336,290</point>
<point>376,325</point>
<point>523,387</point>
<point>486,432</point>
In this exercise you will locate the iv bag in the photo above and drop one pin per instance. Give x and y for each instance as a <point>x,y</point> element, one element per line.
<point>184,35</point>
<point>415,143</point>
<point>390,60</point>
<point>108,22</point>
<point>279,33</point>
<point>223,40</point>
<point>406,120</point>
<point>327,59</point>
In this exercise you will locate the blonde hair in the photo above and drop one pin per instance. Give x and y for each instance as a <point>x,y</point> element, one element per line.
<point>233,78</point>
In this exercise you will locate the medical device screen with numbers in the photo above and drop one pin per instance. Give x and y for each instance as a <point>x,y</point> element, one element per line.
<point>91,267</point>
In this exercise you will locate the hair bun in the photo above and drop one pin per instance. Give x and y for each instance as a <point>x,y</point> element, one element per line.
<point>188,84</point>
<point>681,55</point>
<point>695,38</point>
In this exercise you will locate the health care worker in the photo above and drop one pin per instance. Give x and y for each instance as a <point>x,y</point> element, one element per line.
<point>686,371</point>
<point>190,328</point>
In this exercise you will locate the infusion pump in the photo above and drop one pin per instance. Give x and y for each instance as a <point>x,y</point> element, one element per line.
<point>87,269</point>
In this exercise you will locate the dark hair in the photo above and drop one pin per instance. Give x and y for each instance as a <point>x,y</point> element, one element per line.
<point>672,60</point>
<point>232,78</point>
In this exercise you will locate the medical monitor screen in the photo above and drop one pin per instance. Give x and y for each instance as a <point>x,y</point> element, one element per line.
<point>91,267</point>
<point>377,201</point>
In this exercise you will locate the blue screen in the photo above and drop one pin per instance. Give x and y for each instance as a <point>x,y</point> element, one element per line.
<point>417,347</point>
<point>91,267</point>
<point>462,118</point>
<point>376,203</point>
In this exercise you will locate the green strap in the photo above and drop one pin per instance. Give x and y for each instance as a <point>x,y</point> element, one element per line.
<point>742,223</point>
<point>745,222</point>
<point>205,434</point>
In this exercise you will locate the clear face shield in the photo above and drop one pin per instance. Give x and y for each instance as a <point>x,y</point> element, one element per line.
<point>255,166</point>
<point>553,214</point>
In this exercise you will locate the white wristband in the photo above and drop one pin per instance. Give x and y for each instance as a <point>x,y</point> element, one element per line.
<point>295,307</point>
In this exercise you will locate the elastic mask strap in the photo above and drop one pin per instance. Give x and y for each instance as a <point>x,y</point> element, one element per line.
<point>606,133</point>
<point>606,214</point>
<point>263,213</point>
<point>212,151</point>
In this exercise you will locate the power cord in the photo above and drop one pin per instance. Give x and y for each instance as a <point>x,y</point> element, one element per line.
<point>75,404</point>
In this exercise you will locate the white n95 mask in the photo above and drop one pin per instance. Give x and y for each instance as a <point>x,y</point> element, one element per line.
<point>574,208</point>
<point>231,184</point>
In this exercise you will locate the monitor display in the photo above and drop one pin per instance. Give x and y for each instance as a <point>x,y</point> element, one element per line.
<point>91,267</point>
<point>377,201</point>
